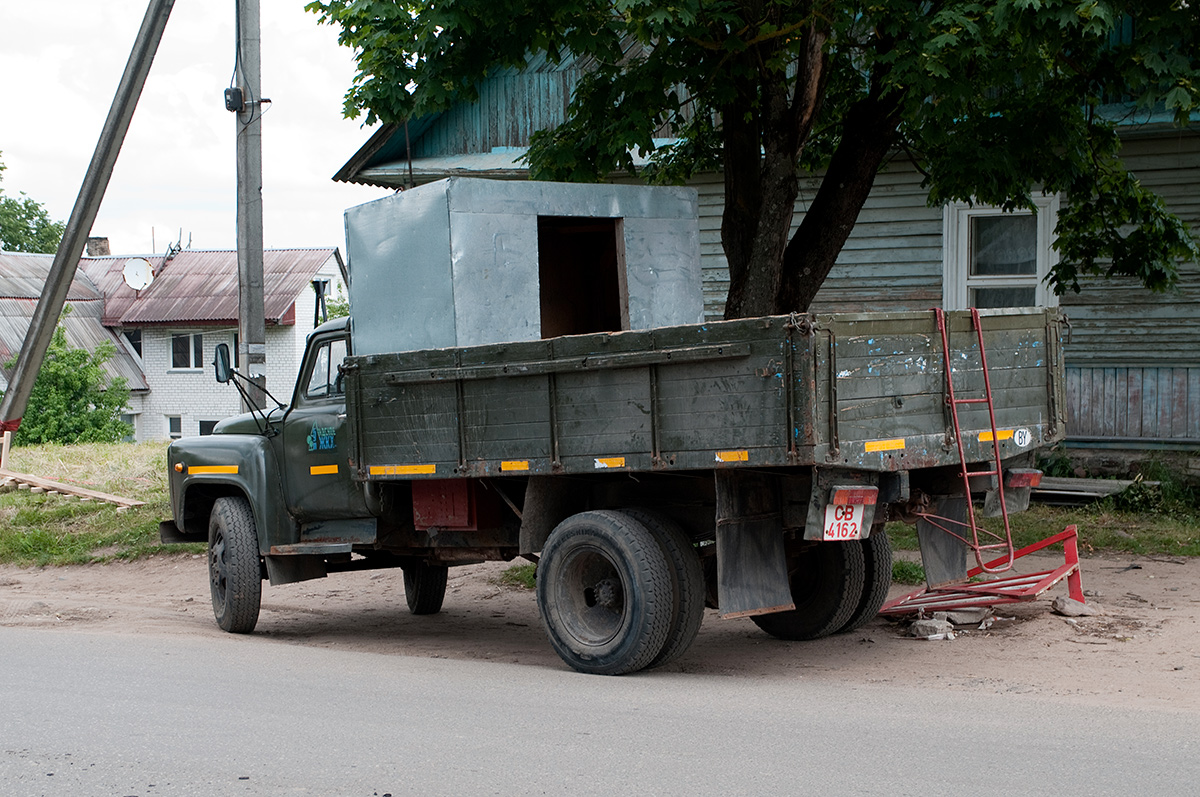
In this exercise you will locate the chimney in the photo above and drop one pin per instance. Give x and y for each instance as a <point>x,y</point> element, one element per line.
<point>98,247</point>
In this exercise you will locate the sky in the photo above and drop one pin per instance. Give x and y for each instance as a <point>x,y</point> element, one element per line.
<point>175,178</point>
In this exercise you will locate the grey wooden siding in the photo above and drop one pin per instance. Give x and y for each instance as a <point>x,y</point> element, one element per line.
<point>511,107</point>
<point>1134,403</point>
<point>1133,357</point>
<point>892,260</point>
<point>1119,323</point>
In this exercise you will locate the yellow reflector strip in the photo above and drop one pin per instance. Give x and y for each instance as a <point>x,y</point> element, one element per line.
<point>515,464</point>
<point>323,470</point>
<point>402,470</point>
<point>886,445</point>
<point>195,469</point>
<point>733,456</point>
<point>610,462</point>
<point>1002,434</point>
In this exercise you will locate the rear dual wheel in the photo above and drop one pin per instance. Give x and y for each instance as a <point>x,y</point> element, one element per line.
<point>826,580</point>
<point>836,586</point>
<point>618,592</point>
<point>687,582</point>
<point>877,579</point>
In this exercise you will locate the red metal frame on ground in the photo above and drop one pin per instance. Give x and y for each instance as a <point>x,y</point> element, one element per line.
<point>1013,589</point>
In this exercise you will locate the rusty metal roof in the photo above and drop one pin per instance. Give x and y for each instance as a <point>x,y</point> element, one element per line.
<point>22,276</point>
<point>201,286</point>
<point>84,328</point>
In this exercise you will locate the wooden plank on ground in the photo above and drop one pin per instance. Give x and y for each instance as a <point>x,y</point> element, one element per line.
<point>70,489</point>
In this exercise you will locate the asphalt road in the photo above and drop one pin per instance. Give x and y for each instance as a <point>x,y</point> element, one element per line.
<point>84,714</point>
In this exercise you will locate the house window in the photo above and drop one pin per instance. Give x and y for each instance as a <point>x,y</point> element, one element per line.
<point>187,350</point>
<point>996,259</point>
<point>206,427</point>
<point>134,336</point>
<point>174,426</point>
<point>130,419</point>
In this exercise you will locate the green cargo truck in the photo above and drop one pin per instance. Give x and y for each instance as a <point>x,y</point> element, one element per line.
<point>748,464</point>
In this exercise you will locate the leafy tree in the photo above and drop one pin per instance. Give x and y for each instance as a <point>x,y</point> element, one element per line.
<point>988,97</point>
<point>72,400</point>
<point>338,306</point>
<point>25,226</point>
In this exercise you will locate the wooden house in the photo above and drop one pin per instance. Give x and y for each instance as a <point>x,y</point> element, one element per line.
<point>1133,357</point>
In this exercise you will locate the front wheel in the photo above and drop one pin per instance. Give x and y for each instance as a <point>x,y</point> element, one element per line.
<point>234,567</point>
<point>605,593</point>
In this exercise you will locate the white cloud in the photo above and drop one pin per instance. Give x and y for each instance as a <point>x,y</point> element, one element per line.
<point>62,63</point>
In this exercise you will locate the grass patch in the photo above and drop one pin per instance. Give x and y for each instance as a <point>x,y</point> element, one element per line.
<point>1102,529</point>
<point>907,572</point>
<point>522,575</point>
<point>43,530</point>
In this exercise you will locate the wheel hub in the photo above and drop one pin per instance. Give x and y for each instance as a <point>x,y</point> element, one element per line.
<point>606,593</point>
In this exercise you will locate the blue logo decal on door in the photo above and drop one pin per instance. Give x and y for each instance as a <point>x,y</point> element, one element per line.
<point>322,438</point>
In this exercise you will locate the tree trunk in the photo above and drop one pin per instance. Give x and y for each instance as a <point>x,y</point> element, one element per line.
<point>868,134</point>
<point>761,176</point>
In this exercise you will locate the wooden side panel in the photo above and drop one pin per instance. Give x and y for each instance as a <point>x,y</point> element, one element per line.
<point>882,387</point>
<point>864,391</point>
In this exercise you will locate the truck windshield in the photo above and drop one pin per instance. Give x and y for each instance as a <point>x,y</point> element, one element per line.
<point>325,381</point>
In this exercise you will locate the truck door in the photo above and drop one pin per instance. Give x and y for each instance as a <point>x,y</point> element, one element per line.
<point>316,453</point>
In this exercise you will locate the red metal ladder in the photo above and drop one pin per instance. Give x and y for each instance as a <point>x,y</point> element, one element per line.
<point>1005,543</point>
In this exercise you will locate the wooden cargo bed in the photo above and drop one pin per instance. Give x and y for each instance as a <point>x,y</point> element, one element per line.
<point>864,391</point>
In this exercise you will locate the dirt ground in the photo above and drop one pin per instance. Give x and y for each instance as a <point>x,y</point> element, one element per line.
<point>1143,650</point>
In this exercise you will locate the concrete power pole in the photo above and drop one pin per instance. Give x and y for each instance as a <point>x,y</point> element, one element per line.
<point>248,103</point>
<point>87,205</point>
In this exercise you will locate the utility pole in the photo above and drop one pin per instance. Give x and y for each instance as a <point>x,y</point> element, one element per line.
<point>83,215</point>
<point>248,103</point>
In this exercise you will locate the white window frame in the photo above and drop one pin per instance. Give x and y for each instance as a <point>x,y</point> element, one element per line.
<point>174,435</point>
<point>957,280</point>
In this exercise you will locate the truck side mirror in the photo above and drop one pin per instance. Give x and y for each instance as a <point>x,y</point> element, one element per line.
<point>221,364</point>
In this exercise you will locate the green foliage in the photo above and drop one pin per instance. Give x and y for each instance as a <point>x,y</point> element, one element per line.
<point>522,575</point>
<point>991,99</point>
<point>72,400</point>
<point>905,572</point>
<point>25,226</point>
<point>339,306</point>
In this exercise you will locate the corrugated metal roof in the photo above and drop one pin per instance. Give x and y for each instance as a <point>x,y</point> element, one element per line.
<point>201,286</point>
<point>23,275</point>
<point>85,330</point>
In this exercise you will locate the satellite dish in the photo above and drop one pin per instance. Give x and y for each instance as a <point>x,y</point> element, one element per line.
<point>138,273</point>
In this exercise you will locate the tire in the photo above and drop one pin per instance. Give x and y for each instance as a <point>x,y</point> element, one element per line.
<point>877,579</point>
<point>234,566</point>
<point>827,582</point>
<point>687,583</point>
<point>425,587</point>
<point>604,593</point>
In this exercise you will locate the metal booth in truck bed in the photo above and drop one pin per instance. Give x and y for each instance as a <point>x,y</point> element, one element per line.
<point>468,262</point>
